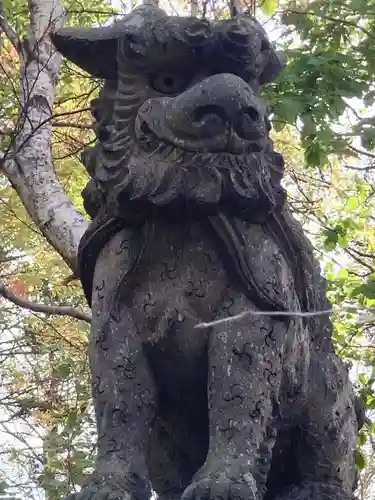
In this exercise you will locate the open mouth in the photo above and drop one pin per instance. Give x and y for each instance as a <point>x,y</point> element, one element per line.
<point>229,143</point>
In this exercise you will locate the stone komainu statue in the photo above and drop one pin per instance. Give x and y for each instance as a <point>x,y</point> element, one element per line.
<point>189,225</point>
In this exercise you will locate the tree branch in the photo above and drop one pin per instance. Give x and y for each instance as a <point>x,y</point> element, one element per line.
<point>362,152</point>
<point>43,308</point>
<point>8,30</point>
<point>368,168</point>
<point>8,132</point>
<point>82,126</point>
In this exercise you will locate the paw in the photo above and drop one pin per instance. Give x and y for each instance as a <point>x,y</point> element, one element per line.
<point>170,495</point>
<point>314,490</point>
<point>229,482</point>
<point>104,492</point>
<point>106,487</point>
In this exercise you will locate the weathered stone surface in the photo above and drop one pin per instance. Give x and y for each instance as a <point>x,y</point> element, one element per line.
<point>190,224</point>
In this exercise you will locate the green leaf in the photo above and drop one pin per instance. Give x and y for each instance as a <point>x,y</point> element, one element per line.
<point>342,274</point>
<point>366,289</point>
<point>315,155</point>
<point>363,378</point>
<point>309,126</point>
<point>362,438</point>
<point>360,459</point>
<point>368,138</point>
<point>290,109</point>
<point>268,6</point>
<point>278,125</point>
<point>71,420</point>
<point>331,238</point>
<point>370,403</point>
<point>63,370</point>
<point>352,203</point>
<point>3,487</point>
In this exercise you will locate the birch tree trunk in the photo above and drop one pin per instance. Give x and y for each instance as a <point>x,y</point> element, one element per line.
<point>28,164</point>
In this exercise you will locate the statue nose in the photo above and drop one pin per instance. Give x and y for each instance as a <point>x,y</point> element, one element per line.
<point>210,120</point>
<point>216,105</point>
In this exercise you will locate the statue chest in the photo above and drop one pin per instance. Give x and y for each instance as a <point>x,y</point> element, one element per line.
<point>184,274</point>
<point>180,276</point>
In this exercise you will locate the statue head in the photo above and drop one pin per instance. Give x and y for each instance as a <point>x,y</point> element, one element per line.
<point>179,119</point>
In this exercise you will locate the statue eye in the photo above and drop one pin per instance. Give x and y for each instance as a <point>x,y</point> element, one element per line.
<point>168,83</point>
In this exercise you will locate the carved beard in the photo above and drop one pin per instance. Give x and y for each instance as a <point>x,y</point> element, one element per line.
<point>174,181</point>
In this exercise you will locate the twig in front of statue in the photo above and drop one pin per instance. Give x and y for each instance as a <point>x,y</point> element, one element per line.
<point>299,314</point>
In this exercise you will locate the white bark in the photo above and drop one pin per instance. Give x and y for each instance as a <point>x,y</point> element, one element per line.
<point>29,166</point>
<point>194,8</point>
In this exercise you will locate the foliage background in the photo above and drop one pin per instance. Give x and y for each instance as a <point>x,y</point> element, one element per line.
<point>322,109</point>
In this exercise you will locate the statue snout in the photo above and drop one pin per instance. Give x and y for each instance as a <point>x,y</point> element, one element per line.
<point>218,104</point>
<point>220,113</point>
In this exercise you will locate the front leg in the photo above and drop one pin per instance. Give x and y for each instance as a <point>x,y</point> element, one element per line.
<point>123,388</point>
<point>245,359</point>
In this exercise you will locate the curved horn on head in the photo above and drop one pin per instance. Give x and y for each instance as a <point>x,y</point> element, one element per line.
<point>95,49</point>
<point>92,49</point>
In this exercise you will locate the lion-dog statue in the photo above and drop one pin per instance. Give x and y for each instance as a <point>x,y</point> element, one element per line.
<point>190,225</point>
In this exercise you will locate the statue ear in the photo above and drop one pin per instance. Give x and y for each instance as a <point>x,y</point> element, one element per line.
<point>276,63</point>
<point>92,49</point>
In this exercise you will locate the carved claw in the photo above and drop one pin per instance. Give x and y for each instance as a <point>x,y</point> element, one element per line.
<point>230,484</point>
<point>315,490</point>
<point>105,493</point>
<point>127,487</point>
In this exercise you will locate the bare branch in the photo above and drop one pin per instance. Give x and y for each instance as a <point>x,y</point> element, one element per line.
<point>11,258</point>
<point>360,169</point>
<point>82,126</point>
<point>41,124</point>
<point>8,30</point>
<point>293,314</point>
<point>362,152</point>
<point>43,308</point>
<point>8,131</point>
